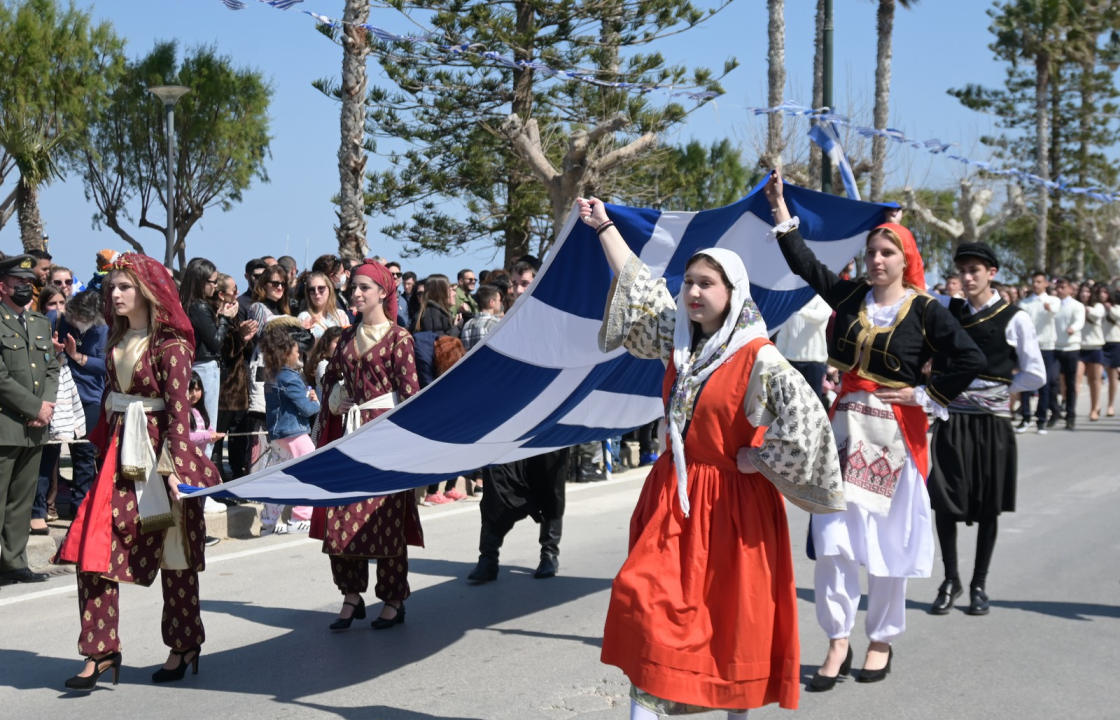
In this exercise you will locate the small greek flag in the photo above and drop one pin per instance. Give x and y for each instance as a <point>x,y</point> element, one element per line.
<point>825,135</point>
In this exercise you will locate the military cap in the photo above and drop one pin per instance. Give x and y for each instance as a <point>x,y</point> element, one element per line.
<point>19,266</point>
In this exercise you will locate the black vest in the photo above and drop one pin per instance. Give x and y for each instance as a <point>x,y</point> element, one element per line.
<point>988,329</point>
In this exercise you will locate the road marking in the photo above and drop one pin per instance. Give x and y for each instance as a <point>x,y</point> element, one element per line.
<point>450,512</point>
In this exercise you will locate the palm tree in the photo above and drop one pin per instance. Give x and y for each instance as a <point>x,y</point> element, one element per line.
<point>776,81</point>
<point>34,158</point>
<point>885,22</point>
<point>351,230</point>
<point>1032,30</point>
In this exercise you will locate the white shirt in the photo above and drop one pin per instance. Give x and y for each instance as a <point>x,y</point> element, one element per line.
<point>1041,310</point>
<point>1112,325</point>
<point>802,338</point>
<point>1070,317</point>
<point>1092,334</point>
<point>1020,335</point>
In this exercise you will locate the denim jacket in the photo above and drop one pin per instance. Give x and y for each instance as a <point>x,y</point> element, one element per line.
<point>287,408</point>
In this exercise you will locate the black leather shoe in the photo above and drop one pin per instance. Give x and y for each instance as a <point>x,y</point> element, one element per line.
<point>870,676</point>
<point>978,604</point>
<point>358,613</point>
<point>485,571</point>
<point>548,567</point>
<point>385,623</point>
<point>175,674</point>
<point>823,683</point>
<point>101,665</point>
<point>949,591</point>
<point>22,575</point>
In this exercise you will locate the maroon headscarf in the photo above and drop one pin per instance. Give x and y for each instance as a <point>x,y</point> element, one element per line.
<point>160,285</point>
<point>915,272</point>
<point>380,274</point>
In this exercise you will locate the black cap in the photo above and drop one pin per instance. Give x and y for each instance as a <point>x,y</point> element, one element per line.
<point>20,266</point>
<point>982,251</point>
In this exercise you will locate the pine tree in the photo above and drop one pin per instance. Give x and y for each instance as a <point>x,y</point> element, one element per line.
<point>480,151</point>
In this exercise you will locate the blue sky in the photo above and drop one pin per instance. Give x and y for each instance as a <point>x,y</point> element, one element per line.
<point>937,46</point>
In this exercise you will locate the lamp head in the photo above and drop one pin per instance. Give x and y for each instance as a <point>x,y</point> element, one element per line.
<point>169,94</point>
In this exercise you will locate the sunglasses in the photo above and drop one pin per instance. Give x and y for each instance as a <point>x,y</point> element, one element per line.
<point>274,284</point>
<point>65,282</point>
<point>396,275</point>
<point>317,290</point>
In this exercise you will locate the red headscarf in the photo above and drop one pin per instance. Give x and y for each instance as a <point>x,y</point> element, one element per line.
<point>157,280</point>
<point>380,274</point>
<point>915,272</point>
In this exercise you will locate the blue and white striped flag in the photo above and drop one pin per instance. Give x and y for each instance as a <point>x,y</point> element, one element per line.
<point>234,4</point>
<point>283,4</point>
<point>825,135</point>
<point>539,382</point>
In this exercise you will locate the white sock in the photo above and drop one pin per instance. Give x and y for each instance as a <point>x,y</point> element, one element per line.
<point>638,712</point>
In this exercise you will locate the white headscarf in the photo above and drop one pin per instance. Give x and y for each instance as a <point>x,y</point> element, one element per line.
<point>742,324</point>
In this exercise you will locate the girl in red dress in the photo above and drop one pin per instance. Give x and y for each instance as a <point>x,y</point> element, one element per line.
<point>133,523</point>
<point>703,612</point>
<point>373,369</point>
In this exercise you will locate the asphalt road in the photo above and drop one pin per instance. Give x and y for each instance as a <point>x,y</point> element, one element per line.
<point>523,648</point>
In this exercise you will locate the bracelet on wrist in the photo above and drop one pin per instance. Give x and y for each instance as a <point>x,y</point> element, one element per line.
<point>599,230</point>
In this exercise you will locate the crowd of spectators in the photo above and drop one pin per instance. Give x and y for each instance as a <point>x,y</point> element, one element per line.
<point>230,316</point>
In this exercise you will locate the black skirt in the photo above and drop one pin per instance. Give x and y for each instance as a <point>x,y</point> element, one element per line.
<point>974,466</point>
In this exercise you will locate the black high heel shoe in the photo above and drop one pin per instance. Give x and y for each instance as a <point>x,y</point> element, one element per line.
<point>164,675</point>
<point>358,614</point>
<point>385,623</point>
<point>823,683</point>
<point>113,661</point>
<point>869,676</point>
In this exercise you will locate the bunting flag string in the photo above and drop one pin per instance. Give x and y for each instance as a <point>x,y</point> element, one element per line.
<point>433,41</point>
<point>935,147</point>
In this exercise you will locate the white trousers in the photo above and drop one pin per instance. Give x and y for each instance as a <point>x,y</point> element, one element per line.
<point>637,712</point>
<point>837,595</point>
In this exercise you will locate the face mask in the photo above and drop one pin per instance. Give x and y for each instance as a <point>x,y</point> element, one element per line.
<point>22,295</point>
<point>342,281</point>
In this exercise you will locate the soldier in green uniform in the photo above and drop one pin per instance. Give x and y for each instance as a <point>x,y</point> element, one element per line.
<point>28,386</point>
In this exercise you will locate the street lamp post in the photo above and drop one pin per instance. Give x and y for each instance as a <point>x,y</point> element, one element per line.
<point>169,95</point>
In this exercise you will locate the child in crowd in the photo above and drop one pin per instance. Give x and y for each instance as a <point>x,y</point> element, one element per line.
<point>202,433</point>
<point>319,356</point>
<point>316,367</point>
<point>289,406</point>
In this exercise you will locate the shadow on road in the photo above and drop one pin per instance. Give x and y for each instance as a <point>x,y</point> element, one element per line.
<point>1057,608</point>
<point>308,659</point>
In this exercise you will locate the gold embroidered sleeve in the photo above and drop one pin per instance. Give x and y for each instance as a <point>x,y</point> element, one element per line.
<point>640,314</point>
<point>798,453</point>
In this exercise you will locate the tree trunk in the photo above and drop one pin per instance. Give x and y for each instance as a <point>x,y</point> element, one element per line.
<point>881,111</point>
<point>30,222</point>
<point>818,93</point>
<point>776,80</point>
<point>520,183</point>
<point>1085,130</point>
<point>351,230</point>
<point>1042,138</point>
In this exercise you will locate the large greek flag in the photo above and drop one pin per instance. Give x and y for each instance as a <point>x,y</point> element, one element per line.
<point>539,381</point>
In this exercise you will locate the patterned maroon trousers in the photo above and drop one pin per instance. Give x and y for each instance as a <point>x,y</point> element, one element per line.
<point>99,608</point>
<point>351,575</point>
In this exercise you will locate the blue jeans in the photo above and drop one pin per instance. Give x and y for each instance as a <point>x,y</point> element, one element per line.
<point>83,457</point>
<point>48,465</point>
